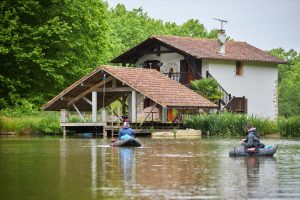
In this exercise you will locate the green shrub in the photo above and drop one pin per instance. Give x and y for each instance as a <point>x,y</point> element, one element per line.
<point>208,88</point>
<point>42,122</point>
<point>289,127</point>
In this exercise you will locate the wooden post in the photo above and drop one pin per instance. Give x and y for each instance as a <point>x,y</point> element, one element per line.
<point>64,132</point>
<point>123,105</point>
<point>104,132</point>
<point>130,106</point>
<point>133,107</point>
<point>164,115</point>
<point>64,115</point>
<point>112,124</point>
<point>94,107</point>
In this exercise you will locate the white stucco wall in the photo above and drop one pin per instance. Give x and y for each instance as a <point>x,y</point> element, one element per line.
<point>168,59</point>
<point>258,84</point>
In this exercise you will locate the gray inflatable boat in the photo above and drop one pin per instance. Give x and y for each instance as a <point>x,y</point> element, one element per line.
<point>126,143</point>
<point>267,151</point>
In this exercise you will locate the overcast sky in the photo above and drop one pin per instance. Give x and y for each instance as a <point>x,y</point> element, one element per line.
<point>266,24</point>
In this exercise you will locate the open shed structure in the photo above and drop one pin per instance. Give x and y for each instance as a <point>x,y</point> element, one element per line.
<point>130,86</point>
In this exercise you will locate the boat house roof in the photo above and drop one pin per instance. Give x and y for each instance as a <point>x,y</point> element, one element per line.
<point>113,82</point>
<point>200,49</point>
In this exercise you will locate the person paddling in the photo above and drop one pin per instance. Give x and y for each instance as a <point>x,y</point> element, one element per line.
<point>126,132</point>
<point>251,142</point>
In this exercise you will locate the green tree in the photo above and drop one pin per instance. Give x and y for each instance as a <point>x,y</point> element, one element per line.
<point>289,92</point>
<point>191,28</point>
<point>288,81</point>
<point>130,27</point>
<point>291,56</point>
<point>207,88</point>
<point>46,45</point>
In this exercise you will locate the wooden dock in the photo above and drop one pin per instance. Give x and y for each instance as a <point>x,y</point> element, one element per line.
<point>105,129</point>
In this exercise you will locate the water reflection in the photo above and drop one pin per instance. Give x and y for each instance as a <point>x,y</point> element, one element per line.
<point>162,169</point>
<point>252,177</point>
<point>126,164</point>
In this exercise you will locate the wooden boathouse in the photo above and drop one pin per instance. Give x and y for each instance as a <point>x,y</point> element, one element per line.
<point>146,96</point>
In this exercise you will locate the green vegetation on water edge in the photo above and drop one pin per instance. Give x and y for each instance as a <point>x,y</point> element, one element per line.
<point>225,124</point>
<point>38,123</point>
<point>229,124</point>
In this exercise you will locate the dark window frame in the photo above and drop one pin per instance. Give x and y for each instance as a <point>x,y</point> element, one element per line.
<point>239,68</point>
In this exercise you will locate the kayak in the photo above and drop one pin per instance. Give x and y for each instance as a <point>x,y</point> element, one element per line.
<point>267,151</point>
<point>126,143</point>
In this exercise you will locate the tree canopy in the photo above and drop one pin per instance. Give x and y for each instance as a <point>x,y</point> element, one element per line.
<point>46,45</point>
<point>289,82</point>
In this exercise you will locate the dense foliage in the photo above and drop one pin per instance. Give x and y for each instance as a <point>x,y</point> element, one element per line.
<point>128,28</point>
<point>289,82</point>
<point>46,45</point>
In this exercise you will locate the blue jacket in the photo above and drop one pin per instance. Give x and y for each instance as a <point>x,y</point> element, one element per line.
<point>126,131</point>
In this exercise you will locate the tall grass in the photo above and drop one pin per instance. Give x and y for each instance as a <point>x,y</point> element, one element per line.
<point>229,124</point>
<point>23,124</point>
<point>289,127</point>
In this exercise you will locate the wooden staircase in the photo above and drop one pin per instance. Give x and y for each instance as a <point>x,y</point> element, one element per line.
<point>228,102</point>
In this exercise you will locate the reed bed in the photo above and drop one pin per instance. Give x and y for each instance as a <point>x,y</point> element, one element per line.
<point>289,127</point>
<point>39,123</point>
<point>229,124</point>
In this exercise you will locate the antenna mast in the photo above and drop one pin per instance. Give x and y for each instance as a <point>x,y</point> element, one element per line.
<point>221,21</point>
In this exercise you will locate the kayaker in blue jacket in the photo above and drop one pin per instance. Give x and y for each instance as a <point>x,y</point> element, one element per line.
<point>126,132</point>
<point>251,142</point>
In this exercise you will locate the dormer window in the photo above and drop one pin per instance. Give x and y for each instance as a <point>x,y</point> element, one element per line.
<point>238,68</point>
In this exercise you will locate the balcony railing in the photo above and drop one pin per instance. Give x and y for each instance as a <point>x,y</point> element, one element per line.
<point>183,77</point>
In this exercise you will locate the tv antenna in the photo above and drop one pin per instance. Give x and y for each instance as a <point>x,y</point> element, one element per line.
<point>221,21</point>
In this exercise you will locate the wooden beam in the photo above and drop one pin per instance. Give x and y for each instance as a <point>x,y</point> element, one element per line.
<point>86,84</point>
<point>78,111</point>
<point>152,108</point>
<point>117,89</point>
<point>66,98</point>
<point>93,88</point>
<point>87,100</point>
<point>113,111</point>
<point>158,52</point>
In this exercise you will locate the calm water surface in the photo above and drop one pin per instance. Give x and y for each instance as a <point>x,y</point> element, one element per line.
<point>53,168</point>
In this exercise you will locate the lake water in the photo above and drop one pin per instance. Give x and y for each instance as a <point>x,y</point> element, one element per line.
<point>54,168</point>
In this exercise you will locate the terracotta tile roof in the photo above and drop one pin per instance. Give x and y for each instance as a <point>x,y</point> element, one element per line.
<point>158,87</point>
<point>202,49</point>
<point>207,48</point>
<point>149,82</point>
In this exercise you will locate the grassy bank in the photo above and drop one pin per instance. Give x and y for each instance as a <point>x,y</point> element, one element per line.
<point>33,123</point>
<point>228,124</point>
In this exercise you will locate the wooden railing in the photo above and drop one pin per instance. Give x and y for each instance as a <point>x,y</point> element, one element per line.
<point>184,77</point>
<point>225,96</point>
<point>237,104</point>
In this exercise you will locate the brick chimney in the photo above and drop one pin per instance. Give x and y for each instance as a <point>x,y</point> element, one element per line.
<point>221,41</point>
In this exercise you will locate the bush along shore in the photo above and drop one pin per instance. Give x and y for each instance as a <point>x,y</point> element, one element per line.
<point>225,124</point>
<point>29,124</point>
<point>229,124</point>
